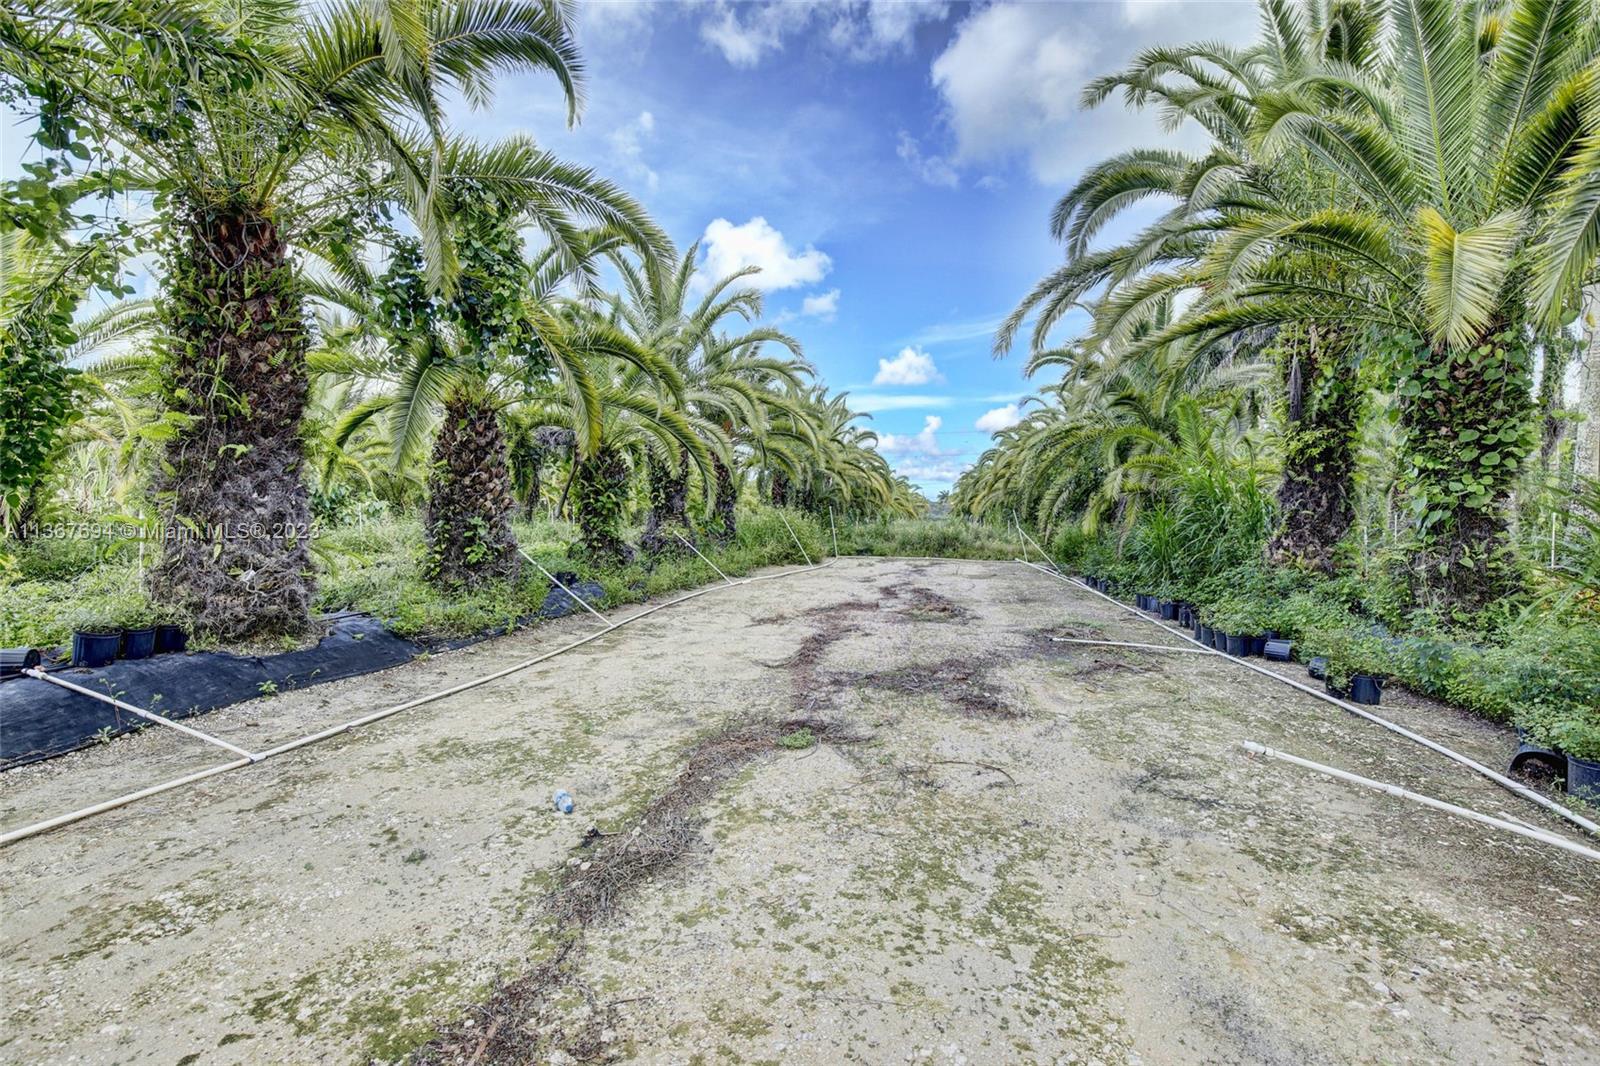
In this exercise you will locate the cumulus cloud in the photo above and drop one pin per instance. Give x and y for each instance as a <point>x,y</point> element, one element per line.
<point>626,143</point>
<point>858,29</point>
<point>823,305</point>
<point>932,169</point>
<point>999,418</point>
<point>923,442</point>
<point>728,248</point>
<point>912,366</point>
<point>1011,76</point>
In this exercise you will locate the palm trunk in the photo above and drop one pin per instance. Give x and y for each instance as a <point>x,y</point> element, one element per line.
<point>599,496</point>
<point>1586,458</point>
<point>1322,413</point>
<point>1467,436</point>
<point>237,534</point>
<point>780,489</point>
<point>727,496</point>
<point>669,507</point>
<point>467,520</point>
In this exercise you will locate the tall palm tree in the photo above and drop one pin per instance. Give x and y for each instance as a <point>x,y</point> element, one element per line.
<point>252,161</point>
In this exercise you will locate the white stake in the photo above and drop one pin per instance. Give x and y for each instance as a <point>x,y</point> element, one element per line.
<point>835,531</point>
<point>1427,801</point>
<point>609,624</point>
<point>35,672</point>
<point>690,545</point>
<point>803,553</point>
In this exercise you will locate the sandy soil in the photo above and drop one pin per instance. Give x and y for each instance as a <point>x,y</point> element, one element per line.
<point>1040,853</point>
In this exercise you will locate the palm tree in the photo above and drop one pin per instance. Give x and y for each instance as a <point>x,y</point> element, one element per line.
<point>728,381</point>
<point>1221,89</point>
<point>253,160</point>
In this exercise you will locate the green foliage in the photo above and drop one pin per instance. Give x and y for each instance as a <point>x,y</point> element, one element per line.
<point>948,538</point>
<point>798,740</point>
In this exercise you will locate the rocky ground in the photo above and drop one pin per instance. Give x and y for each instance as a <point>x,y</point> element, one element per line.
<point>866,813</point>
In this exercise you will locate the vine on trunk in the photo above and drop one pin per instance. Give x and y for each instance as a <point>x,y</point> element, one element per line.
<point>1468,415</point>
<point>600,499</point>
<point>237,514</point>
<point>467,517</point>
<point>1321,413</point>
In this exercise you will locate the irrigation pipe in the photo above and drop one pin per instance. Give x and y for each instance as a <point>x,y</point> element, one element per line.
<point>608,623</point>
<point>1129,644</point>
<point>36,828</point>
<point>835,530</point>
<point>1498,778</point>
<point>35,672</point>
<point>1509,826</point>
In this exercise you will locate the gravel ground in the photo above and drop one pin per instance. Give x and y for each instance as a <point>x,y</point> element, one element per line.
<point>1033,852</point>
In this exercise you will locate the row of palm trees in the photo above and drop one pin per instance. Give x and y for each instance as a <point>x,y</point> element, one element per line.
<point>1392,230</point>
<point>344,279</point>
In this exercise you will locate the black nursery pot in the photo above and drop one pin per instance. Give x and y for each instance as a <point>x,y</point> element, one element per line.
<point>1203,634</point>
<point>1169,611</point>
<point>171,638</point>
<point>1258,646</point>
<point>139,643</point>
<point>1219,640</point>
<point>1318,667</point>
<point>15,660</point>
<point>1364,688</point>
<point>1583,778</point>
<point>95,649</point>
<point>1278,651</point>
<point>1237,645</point>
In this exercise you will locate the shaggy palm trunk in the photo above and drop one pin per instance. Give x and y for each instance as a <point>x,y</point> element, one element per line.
<point>1322,413</point>
<point>727,496</point>
<point>237,517</point>
<point>467,520</point>
<point>669,507</point>
<point>1586,457</point>
<point>1469,421</point>
<point>780,489</point>
<point>599,498</point>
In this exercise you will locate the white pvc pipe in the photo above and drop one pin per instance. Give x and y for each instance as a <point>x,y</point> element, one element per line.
<point>1433,745</point>
<point>835,531</point>
<point>166,786</point>
<point>1048,561</point>
<point>1427,801</point>
<point>1128,644</point>
<point>803,553</point>
<point>35,672</point>
<point>690,545</point>
<point>606,621</point>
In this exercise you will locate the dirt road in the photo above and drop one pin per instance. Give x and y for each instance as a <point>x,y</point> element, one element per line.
<point>1003,850</point>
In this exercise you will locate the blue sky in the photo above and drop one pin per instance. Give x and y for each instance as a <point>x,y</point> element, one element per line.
<point>890,166</point>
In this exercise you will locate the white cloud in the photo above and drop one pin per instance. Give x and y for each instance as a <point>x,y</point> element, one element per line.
<point>625,143</point>
<point>729,248</point>
<point>933,472</point>
<point>912,366</point>
<point>932,169</point>
<point>1011,76</point>
<point>924,442</point>
<point>858,29</point>
<point>823,305</point>
<point>999,418</point>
